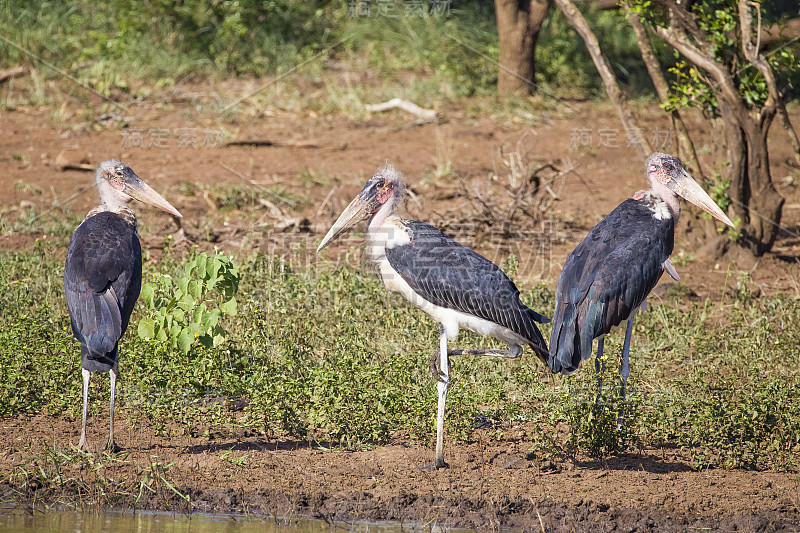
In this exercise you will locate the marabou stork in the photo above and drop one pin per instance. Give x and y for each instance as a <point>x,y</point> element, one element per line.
<point>103,275</point>
<point>451,283</point>
<point>608,276</point>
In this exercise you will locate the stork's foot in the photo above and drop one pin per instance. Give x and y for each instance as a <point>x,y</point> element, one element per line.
<point>437,464</point>
<point>440,463</point>
<point>433,364</point>
<point>84,446</point>
<point>431,467</point>
<point>111,447</point>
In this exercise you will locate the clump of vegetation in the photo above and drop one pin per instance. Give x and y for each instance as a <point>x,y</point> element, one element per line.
<point>325,353</point>
<point>60,475</point>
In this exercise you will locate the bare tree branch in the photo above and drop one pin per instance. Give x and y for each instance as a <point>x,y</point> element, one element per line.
<point>604,69</point>
<point>12,73</point>
<point>682,18</point>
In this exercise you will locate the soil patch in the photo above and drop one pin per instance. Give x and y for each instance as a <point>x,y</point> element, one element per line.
<point>489,484</point>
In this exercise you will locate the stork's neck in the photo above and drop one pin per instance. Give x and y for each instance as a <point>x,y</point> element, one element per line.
<point>125,212</point>
<point>380,216</point>
<point>664,193</point>
<point>385,230</point>
<point>112,199</point>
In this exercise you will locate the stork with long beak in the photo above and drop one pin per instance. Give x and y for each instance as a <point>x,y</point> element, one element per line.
<point>103,275</point>
<point>608,276</point>
<point>451,283</point>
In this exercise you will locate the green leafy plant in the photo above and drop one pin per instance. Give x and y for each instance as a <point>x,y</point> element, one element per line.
<point>188,309</point>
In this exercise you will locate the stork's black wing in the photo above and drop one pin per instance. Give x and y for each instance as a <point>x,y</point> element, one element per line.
<point>452,276</point>
<point>102,280</point>
<point>606,277</point>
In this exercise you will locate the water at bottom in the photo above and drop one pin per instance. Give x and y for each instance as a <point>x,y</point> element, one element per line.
<point>21,521</point>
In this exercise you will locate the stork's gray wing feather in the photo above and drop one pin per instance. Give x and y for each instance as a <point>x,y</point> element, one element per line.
<point>452,276</point>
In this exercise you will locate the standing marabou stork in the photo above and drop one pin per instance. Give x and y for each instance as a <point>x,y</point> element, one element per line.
<point>451,283</point>
<point>103,275</point>
<point>607,277</point>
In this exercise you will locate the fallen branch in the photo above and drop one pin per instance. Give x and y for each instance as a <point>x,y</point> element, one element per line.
<point>65,162</point>
<point>261,143</point>
<point>409,107</point>
<point>12,73</point>
<point>274,210</point>
<point>326,200</point>
<point>243,177</point>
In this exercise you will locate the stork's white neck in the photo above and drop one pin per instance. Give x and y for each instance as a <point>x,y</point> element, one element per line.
<point>392,232</point>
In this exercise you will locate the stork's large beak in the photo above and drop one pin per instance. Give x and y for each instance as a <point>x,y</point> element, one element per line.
<point>690,190</point>
<point>136,188</point>
<point>360,208</point>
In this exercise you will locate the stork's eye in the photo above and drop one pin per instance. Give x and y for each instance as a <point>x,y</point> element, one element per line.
<point>380,183</point>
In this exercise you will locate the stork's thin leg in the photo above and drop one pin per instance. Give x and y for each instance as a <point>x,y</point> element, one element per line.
<point>512,353</point>
<point>600,367</point>
<point>111,447</point>
<point>83,445</point>
<point>624,368</point>
<point>441,386</point>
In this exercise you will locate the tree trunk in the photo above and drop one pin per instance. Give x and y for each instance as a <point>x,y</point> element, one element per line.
<point>755,201</point>
<point>518,25</point>
<point>766,204</point>
<point>735,149</point>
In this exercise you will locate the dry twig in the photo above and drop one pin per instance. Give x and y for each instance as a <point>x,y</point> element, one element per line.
<point>12,73</point>
<point>429,115</point>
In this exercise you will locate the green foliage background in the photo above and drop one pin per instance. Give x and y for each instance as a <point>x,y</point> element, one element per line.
<point>115,45</point>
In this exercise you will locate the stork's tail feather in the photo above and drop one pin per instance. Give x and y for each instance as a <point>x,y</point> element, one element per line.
<point>94,362</point>
<point>566,353</point>
<point>565,349</point>
<point>541,351</point>
<point>541,319</point>
<point>535,338</point>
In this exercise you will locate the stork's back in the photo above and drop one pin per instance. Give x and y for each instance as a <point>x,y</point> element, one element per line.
<point>606,277</point>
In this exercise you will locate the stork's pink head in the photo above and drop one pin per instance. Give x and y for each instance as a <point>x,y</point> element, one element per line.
<point>119,183</point>
<point>382,189</point>
<point>666,172</point>
<point>664,167</point>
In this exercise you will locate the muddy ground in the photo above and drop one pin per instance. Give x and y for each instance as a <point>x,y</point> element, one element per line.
<point>320,162</point>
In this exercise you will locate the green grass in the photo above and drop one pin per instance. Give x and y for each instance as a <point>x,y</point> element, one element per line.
<point>324,353</point>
